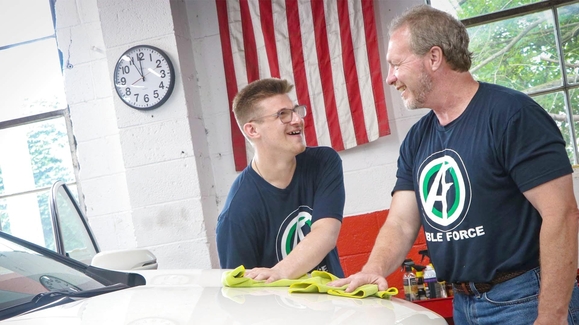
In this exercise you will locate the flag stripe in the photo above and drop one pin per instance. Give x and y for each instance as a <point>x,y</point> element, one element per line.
<point>238,140</point>
<point>327,48</point>
<point>351,74</point>
<point>265,10</point>
<point>375,68</point>
<point>326,75</point>
<point>249,44</point>
<point>295,39</point>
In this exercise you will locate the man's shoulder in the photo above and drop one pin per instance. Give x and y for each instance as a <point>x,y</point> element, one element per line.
<point>501,94</point>
<point>320,152</point>
<point>242,188</point>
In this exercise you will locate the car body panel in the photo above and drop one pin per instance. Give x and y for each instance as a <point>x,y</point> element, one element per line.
<point>197,297</point>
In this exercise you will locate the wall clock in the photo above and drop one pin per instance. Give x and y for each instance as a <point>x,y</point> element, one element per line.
<point>144,77</point>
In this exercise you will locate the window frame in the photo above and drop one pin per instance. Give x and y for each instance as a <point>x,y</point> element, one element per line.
<point>565,88</point>
<point>48,115</point>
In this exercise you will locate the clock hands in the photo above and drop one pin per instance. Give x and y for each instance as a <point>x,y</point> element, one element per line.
<point>141,65</point>
<point>140,72</point>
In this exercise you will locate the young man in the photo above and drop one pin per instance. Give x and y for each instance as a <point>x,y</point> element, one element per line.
<point>284,211</point>
<point>487,175</point>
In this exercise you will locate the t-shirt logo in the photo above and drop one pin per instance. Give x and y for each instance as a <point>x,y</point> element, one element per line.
<point>444,189</point>
<point>293,229</point>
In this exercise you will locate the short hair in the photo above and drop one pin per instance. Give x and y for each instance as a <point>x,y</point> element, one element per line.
<point>246,102</point>
<point>432,27</point>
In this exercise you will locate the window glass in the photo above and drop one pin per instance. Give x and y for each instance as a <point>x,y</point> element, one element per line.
<point>76,238</point>
<point>31,19</point>
<point>519,53</point>
<point>39,155</point>
<point>31,74</point>
<point>472,8</point>
<point>569,22</point>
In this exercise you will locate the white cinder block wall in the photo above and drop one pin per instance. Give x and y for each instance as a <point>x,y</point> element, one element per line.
<point>158,179</point>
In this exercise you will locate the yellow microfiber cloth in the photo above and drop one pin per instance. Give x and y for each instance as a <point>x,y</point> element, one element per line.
<point>316,282</point>
<point>236,278</point>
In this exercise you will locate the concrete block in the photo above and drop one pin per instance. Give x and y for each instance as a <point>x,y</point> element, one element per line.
<point>100,157</point>
<point>169,222</point>
<point>126,21</point>
<point>193,254</point>
<point>156,142</point>
<point>94,119</point>
<point>105,195</point>
<point>163,182</point>
<point>114,231</point>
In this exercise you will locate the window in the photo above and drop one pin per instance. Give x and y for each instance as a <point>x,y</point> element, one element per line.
<point>33,120</point>
<point>531,46</point>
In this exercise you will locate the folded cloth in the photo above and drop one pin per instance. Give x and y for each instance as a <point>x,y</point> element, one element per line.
<point>236,278</point>
<point>316,282</point>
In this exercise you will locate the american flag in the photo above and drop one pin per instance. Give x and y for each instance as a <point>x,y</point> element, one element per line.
<point>327,48</point>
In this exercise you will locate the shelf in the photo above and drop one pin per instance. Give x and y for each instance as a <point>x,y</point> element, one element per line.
<point>441,306</point>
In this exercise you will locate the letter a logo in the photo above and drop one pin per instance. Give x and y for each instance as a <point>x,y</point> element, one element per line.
<point>293,230</point>
<point>444,189</point>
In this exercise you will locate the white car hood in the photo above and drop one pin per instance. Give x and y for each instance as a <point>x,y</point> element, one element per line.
<point>197,297</point>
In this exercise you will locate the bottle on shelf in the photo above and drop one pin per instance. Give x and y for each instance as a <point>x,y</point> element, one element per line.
<point>430,282</point>
<point>420,282</point>
<point>442,287</point>
<point>409,281</point>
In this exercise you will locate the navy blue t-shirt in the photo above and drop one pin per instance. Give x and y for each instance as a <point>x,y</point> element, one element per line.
<point>469,177</point>
<point>260,224</point>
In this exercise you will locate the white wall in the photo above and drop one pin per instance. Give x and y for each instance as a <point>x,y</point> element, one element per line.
<point>158,179</point>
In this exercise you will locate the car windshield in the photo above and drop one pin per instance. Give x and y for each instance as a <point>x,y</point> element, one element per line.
<point>26,273</point>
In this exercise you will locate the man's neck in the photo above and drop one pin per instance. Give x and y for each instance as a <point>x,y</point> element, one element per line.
<point>455,95</point>
<point>276,171</point>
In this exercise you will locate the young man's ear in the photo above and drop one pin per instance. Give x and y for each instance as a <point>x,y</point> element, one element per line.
<point>250,130</point>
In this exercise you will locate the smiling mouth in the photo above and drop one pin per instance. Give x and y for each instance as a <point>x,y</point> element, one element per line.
<point>298,132</point>
<point>401,88</point>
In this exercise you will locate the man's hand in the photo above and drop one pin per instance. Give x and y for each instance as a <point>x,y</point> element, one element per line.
<point>264,273</point>
<point>356,280</point>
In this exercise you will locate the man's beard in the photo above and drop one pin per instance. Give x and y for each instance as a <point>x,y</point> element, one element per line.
<point>425,82</point>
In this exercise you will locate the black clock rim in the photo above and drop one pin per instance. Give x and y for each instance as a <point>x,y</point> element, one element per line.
<point>171,78</point>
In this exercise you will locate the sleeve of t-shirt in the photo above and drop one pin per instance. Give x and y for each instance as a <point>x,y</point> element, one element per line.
<point>237,238</point>
<point>532,148</point>
<point>405,163</point>
<point>330,194</point>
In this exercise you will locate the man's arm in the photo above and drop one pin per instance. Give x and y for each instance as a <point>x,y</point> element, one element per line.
<point>306,255</point>
<point>392,244</point>
<point>556,203</point>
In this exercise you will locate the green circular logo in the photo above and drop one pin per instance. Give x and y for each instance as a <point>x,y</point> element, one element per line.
<point>444,190</point>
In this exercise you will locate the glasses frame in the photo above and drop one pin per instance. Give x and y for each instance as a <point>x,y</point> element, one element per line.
<point>278,114</point>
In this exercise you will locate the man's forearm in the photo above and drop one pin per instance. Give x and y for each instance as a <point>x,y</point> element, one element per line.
<point>558,266</point>
<point>311,250</point>
<point>396,235</point>
<point>390,249</point>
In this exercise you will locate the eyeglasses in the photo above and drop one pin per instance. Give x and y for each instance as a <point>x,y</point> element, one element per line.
<point>286,115</point>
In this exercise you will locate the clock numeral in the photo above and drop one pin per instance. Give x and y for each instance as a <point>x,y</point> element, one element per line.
<point>136,97</point>
<point>146,98</point>
<point>158,64</point>
<point>128,91</point>
<point>163,75</point>
<point>161,85</point>
<point>140,56</point>
<point>126,69</point>
<point>123,81</point>
<point>156,93</point>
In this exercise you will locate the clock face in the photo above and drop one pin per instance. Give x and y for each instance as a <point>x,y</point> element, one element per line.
<point>144,77</point>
